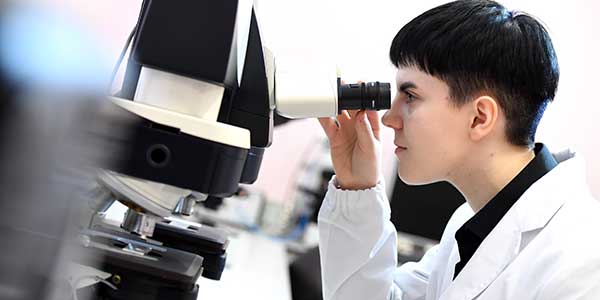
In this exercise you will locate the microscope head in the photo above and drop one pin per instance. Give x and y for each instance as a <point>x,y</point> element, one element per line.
<point>200,127</point>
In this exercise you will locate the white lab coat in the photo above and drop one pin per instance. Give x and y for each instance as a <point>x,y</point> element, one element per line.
<point>547,246</point>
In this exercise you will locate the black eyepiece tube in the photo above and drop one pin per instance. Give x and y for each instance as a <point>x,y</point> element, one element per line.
<point>370,95</point>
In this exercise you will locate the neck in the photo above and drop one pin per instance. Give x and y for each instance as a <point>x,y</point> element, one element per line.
<point>482,177</point>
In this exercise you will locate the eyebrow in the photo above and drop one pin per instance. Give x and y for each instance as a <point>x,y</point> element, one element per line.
<point>407,85</point>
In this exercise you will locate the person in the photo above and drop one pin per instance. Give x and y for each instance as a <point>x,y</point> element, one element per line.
<point>474,79</point>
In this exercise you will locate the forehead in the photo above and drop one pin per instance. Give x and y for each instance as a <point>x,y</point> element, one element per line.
<point>420,79</point>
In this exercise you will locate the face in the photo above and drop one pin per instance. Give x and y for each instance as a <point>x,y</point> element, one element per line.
<point>431,134</point>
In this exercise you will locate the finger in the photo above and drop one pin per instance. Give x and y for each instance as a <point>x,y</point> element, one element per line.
<point>344,117</point>
<point>329,125</point>
<point>353,112</point>
<point>373,118</point>
<point>346,114</point>
<point>364,131</point>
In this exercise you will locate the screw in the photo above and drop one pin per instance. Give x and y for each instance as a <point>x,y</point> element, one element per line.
<point>116,279</point>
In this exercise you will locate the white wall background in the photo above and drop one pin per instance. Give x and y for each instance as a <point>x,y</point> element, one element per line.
<point>356,36</point>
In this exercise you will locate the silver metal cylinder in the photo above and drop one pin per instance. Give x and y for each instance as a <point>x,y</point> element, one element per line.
<point>185,206</point>
<point>139,223</point>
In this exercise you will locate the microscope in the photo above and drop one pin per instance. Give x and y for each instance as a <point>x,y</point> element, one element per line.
<point>203,90</point>
<point>199,94</point>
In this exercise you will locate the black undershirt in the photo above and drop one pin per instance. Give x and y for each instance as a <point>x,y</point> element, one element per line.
<point>476,229</point>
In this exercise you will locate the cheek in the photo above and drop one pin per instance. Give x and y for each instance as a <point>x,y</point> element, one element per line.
<point>436,138</point>
<point>424,129</point>
<point>447,140</point>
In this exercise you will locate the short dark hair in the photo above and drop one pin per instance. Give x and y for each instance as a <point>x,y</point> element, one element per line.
<point>479,46</point>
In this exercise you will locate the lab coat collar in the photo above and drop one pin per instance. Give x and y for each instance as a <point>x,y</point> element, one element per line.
<point>532,211</point>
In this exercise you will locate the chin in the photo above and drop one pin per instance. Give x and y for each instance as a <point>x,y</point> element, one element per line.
<point>412,178</point>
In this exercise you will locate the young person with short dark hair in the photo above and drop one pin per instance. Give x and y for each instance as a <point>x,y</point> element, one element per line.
<point>473,82</point>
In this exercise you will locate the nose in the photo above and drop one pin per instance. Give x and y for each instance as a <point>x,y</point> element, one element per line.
<point>393,117</point>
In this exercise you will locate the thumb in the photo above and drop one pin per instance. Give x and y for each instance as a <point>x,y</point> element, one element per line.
<point>364,131</point>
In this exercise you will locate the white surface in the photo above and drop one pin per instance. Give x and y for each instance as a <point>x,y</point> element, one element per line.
<point>212,131</point>
<point>179,94</point>
<point>305,94</point>
<point>257,268</point>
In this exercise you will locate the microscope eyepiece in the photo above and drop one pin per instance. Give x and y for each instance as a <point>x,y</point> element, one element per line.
<point>369,95</point>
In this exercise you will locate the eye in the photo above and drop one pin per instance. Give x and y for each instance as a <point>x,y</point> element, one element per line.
<point>410,97</point>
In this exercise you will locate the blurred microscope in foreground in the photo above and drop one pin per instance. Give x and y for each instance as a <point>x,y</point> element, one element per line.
<point>190,122</point>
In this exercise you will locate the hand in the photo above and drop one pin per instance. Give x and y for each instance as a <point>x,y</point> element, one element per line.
<point>355,148</point>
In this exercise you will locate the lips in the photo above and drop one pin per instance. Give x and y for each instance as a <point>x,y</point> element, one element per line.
<point>399,146</point>
<point>399,149</point>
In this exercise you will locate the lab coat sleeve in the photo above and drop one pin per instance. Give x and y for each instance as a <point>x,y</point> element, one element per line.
<point>412,278</point>
<point>357,244</point>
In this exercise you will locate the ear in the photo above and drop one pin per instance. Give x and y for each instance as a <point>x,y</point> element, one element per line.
<point>485,111</point>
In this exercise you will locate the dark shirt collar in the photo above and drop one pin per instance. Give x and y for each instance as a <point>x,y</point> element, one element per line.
<point>476,229</point>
